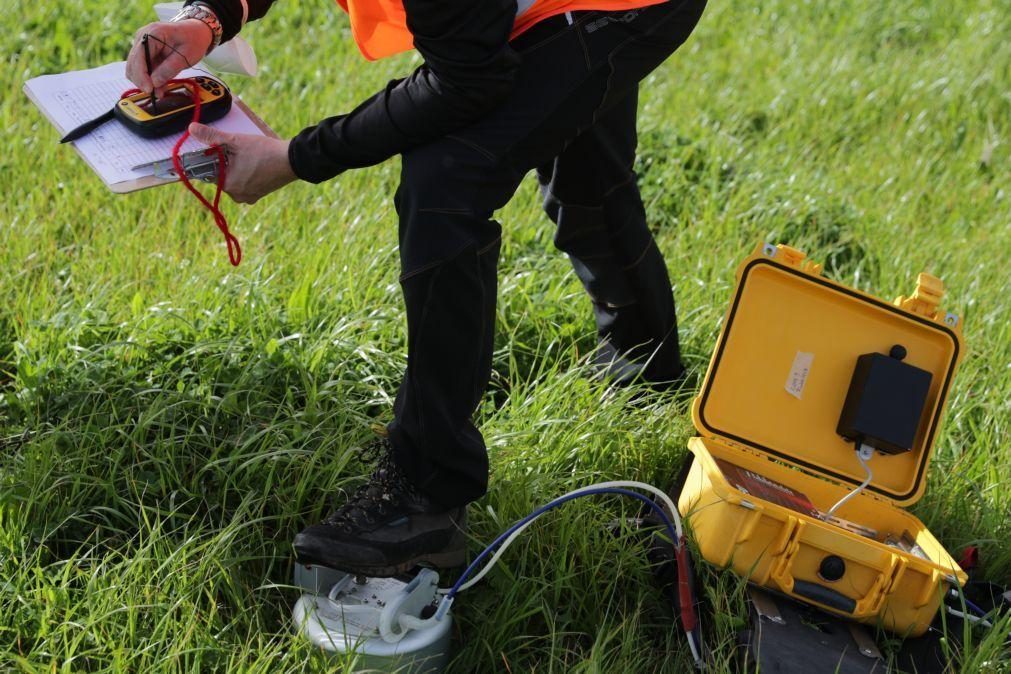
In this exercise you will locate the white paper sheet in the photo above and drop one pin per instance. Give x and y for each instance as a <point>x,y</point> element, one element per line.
<point>70,99</point>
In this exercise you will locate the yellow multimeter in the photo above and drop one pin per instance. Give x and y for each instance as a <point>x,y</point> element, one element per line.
<point>173,111</point>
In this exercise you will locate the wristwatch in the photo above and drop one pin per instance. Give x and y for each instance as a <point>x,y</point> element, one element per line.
<point>203,13</point>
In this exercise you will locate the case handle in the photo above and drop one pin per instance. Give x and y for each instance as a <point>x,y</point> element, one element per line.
<point>824,595</point>
<point>862,607</point>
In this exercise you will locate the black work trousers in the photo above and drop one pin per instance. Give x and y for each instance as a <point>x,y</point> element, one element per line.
<point>572,117</point>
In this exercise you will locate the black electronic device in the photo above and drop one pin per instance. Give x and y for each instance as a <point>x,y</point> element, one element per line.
<point>173,111</point>
<point>885,402</point>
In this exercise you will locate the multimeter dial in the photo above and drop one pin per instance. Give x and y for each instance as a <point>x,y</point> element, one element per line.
<point>173,111</point>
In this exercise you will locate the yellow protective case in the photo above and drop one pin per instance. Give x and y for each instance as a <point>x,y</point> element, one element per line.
<point>770,404</point>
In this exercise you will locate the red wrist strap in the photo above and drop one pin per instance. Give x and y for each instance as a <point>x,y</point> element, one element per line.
<point>234,250</point>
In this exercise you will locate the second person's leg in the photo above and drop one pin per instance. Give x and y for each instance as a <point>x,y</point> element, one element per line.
<point>591,193</point>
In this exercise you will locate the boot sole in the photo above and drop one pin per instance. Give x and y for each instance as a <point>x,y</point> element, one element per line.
<point>439,560</point>
<point>451,556</point>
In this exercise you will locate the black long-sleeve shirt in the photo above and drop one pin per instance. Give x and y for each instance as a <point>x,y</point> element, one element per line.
<point>469,69</point>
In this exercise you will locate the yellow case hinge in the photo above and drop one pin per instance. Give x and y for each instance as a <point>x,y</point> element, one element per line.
<point>926,299</point>
<point>747,449</point>
<point>791,257</point>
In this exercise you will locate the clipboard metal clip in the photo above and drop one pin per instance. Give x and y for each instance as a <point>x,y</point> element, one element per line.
<point>198,165</point>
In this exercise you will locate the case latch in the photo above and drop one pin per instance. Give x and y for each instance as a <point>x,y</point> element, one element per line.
<point>792,257</point>
<point>926,299</point>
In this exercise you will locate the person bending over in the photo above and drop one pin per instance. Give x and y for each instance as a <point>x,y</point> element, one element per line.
<point>506,87</point>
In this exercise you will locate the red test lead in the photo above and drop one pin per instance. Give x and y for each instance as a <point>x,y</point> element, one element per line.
<point>234,249</point>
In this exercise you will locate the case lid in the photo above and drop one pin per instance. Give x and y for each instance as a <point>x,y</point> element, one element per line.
<point>785,358</point>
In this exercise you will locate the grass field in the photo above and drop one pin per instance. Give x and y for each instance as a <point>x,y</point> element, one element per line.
<point>167,422</point>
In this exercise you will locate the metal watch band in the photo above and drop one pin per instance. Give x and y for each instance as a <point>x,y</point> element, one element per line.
<point>205,14</point>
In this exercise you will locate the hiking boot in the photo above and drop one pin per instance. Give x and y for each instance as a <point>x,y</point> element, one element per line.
<point>620,370</point>
<point>386,528</point>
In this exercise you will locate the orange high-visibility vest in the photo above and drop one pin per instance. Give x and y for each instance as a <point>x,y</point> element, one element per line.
<point>379,27</point>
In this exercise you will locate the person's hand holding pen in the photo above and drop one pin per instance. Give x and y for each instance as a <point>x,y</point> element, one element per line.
<point>169,47</point>
<point>160,51</point>
<point>257,165</point>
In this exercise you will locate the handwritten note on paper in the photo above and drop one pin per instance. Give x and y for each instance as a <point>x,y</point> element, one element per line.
<point>799,372</point>
<point>70,99</point>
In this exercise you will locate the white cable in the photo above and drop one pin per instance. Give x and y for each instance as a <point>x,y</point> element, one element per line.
<point>338,587</point>
<point>672,510</point>
<point>975,620</point>
<point>699,662</point>
<point>660,494</point>
<point>863,454</point>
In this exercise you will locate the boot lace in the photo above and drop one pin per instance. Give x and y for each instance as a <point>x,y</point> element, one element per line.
<point>386,490</point>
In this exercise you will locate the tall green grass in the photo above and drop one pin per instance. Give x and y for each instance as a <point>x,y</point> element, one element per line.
<point>167,423</point>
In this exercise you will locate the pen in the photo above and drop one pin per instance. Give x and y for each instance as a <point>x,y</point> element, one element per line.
<point>147,61</point>
<point>87,127</point>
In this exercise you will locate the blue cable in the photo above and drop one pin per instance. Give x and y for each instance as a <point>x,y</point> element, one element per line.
<point>975,608</point>
<point>959,594</point>
<point>551,506</point>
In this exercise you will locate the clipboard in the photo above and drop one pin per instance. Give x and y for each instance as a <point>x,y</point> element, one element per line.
<point>144,182</point>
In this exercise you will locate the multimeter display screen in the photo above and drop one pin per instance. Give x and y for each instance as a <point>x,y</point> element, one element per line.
<point>170,102</point>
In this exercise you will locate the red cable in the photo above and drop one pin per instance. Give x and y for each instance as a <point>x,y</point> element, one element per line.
<point>688,618</point>
<point>234,250</point>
